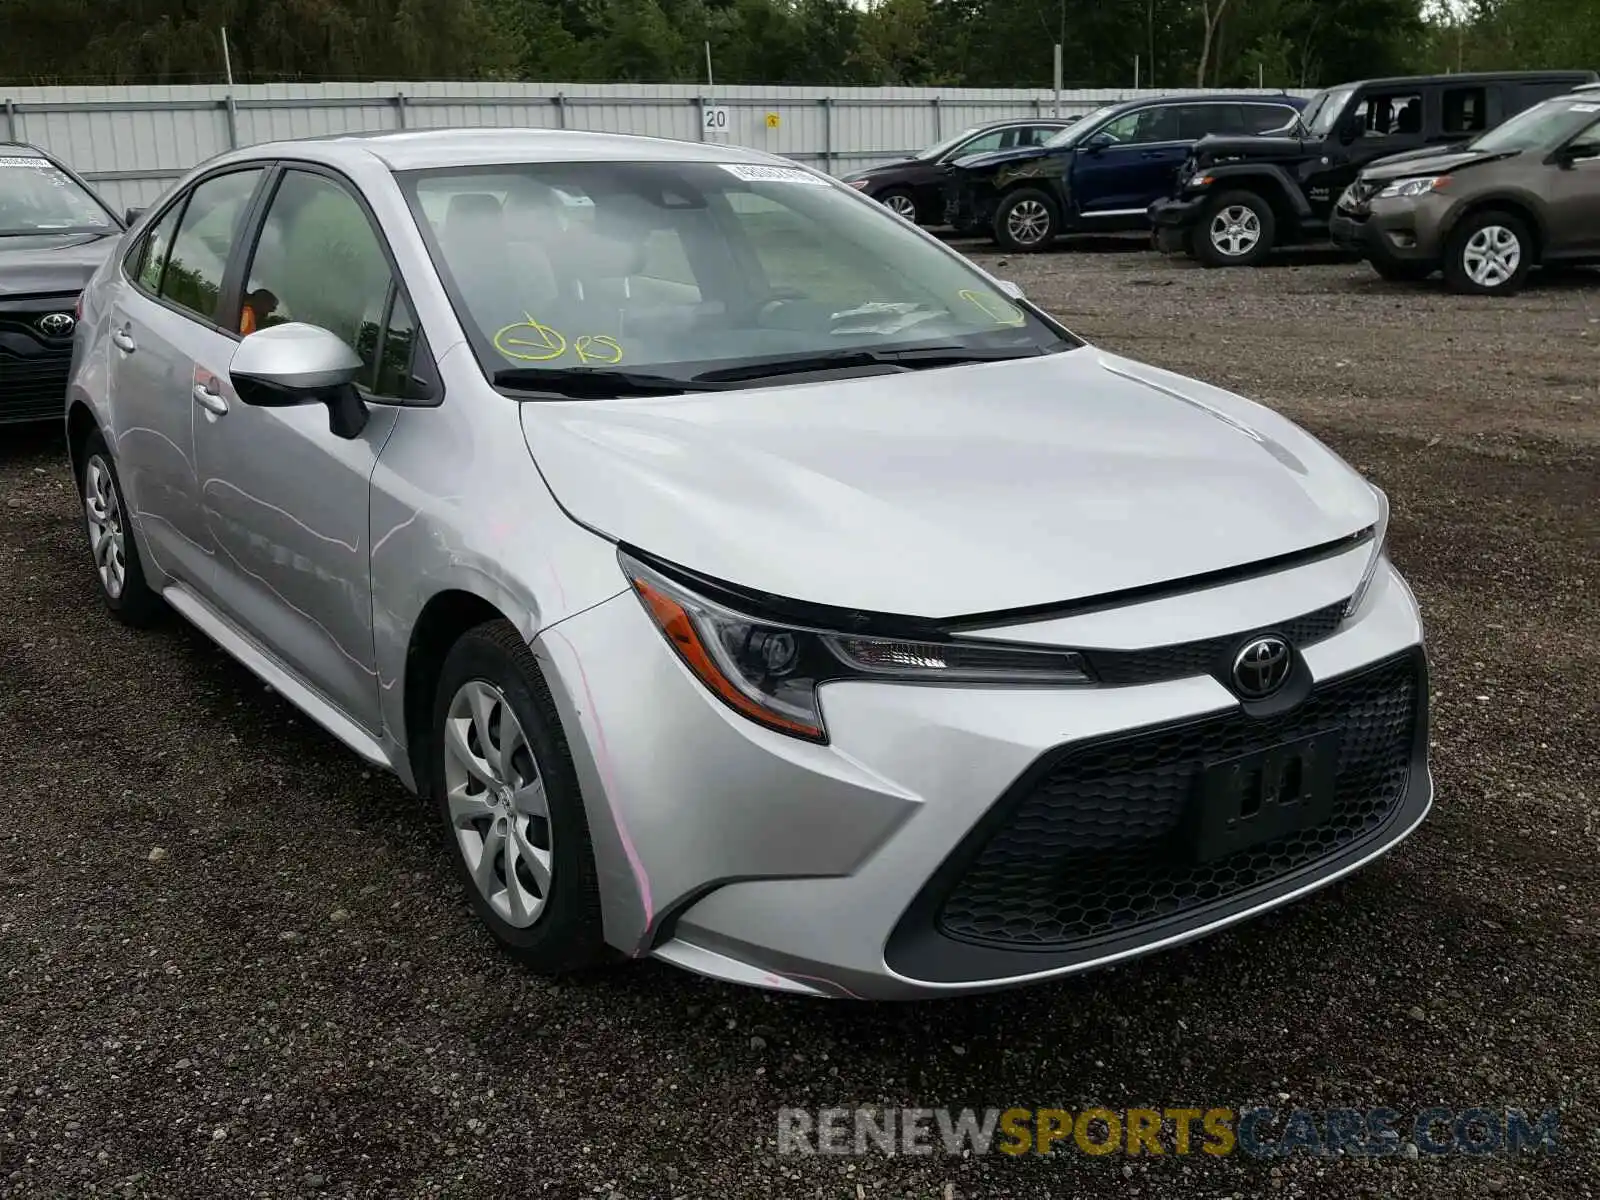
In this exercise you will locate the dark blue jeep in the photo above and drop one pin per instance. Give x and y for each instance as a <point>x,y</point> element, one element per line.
<point>1101,173</point>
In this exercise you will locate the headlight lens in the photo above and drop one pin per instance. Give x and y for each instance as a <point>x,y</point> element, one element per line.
<point>1380,532</point>
<point>859,184</point>
<point>769,672</point>
<point>1416,187</point>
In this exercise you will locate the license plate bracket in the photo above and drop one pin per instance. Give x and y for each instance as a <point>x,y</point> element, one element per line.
<point>1264,795</point>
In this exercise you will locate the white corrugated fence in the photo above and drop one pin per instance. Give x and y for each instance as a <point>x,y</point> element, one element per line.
<point>132,142</point>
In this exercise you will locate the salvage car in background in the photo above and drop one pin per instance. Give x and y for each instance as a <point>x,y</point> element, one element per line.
<point>914,187</point>
<point>611,529</point>
<point>54,231</point>
<point>1238,197</point>
<point>1100,175</point>
<point>1525,193</point>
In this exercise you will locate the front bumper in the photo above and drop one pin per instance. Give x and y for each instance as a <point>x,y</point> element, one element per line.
<point>832,870</point>
<point>1397,229</point>
<point>1175,212</point>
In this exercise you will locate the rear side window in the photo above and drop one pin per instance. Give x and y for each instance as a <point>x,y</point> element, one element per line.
<point>206,233</point>
<point>1466,110</point>
<point>1390,114</point>
<point>1195,121</point>
<point>1264,118</point>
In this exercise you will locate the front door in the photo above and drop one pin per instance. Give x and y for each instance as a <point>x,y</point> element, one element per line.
<point>285,499</point>
<point>1573,192</point>
<point>1127,163</point>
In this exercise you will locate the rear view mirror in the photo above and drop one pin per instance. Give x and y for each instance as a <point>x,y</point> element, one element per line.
<point>286,365</point>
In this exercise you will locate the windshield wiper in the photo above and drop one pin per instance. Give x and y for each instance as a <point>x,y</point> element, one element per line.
<point>590,383</point>
<point>836,360</point>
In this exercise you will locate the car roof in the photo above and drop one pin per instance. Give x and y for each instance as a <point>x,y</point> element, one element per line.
<point>1469,77</point>
<point>21,150</point>
<point>1211,98</point>
<point>426,149</point>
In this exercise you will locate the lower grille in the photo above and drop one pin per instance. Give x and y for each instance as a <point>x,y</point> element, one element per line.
<point>1096,847</point>
<point>33,388</point>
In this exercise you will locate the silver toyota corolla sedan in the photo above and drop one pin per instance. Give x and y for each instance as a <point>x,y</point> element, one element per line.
<point>749,580</point>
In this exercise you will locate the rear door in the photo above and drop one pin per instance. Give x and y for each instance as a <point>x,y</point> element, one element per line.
<point>286,501</point>
<point>163,322</point>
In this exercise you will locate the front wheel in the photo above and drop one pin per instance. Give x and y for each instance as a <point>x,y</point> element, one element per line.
<point>901,203</point>
<point>1026,220</point>
<point>1489,255</point>
<point>508,797</point>
<point>1236,230</point>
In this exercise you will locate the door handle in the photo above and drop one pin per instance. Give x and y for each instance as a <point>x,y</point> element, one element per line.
<point>210,400</point>
<point>123,340</point>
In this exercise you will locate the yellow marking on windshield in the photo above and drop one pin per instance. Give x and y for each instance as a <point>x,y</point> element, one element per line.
<point>994,307</point>
<point>539,344</point>
<point>609,351</point>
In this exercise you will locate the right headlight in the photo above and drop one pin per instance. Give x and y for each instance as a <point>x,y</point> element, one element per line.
<point>770,671</point>
<point>1380,531</point>
<point>1416,187</point>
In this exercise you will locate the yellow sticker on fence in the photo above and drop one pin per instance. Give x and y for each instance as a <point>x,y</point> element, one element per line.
<point>773,120</point>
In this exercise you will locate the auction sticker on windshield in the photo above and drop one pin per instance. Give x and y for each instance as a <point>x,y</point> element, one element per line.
<point>752,173</point>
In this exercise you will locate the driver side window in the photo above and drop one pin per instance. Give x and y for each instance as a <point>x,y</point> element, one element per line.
<point>982,145</point>
<point>1145,126</point>
<point>1588,139</point>
<point>318,260</point>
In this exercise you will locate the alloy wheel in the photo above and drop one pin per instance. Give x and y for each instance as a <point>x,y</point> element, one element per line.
<point>104,513</point>
<point>1491,256</point>
<point>1235,230</point>
<point>497,803</point>
<point>1028,222</point>
<point>901,205</point>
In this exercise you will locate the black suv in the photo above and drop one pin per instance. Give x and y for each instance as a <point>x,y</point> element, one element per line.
<point>1238,197</point>
<point>54,232</point>
<point>1099,175</point>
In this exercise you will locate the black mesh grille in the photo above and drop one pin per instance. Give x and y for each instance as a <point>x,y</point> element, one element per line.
<point>33,367</point>
<point>1097,847</point>
<point>1123,667</point>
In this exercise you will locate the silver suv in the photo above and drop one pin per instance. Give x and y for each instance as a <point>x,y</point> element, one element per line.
<point>749,580</point>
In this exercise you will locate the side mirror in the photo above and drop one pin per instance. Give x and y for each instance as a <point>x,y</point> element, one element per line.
<point>1568,155</point>
<point>1352,127</point>
<point>1096,142</point>
<point>129,216</point>
<point>286,365</point>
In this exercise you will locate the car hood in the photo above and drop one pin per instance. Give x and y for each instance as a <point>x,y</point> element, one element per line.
<point>999,158</point>
<point>1216,146</point>
<point>1431,162</point>
<point>885,168</point>
<point>48,264</point>
<point>949,492</point>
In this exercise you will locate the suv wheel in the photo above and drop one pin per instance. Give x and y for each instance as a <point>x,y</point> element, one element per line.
<point>111,541</point>
<point>1489,254</point>
<point>1026,220</point>
<point>508,797</point>
<point>1236,230</point>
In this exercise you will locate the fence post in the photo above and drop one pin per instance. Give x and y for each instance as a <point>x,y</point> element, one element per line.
<point>233,122</point>
<point>560,101</point>
<point>938,122</point>
<point>1038,106</point>
<point>827,134</point>
<point>699,103</point>
<point>399,110</point>
<point>11,120</point>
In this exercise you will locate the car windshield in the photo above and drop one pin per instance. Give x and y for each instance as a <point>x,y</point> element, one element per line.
<point>1541,127</point>
<point>36,196</point>
<point>949,143</point>
<point>682,268</point>
<point>1324,110</point>
<point>1087,122</point>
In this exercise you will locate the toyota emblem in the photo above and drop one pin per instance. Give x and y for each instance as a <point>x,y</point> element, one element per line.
<point>1262,666</point>
<point>56,325</point>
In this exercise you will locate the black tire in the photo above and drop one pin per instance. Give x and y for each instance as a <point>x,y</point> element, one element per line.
<point>1251,206</point>
<point>567,934</point>
<point>1042,221</point>
<point>901,202</point>
<point>1468,236</point>
<point>134,602</point>
<point>1401,272</point>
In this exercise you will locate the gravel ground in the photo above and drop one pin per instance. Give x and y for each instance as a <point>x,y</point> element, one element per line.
<point>233,962</point>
